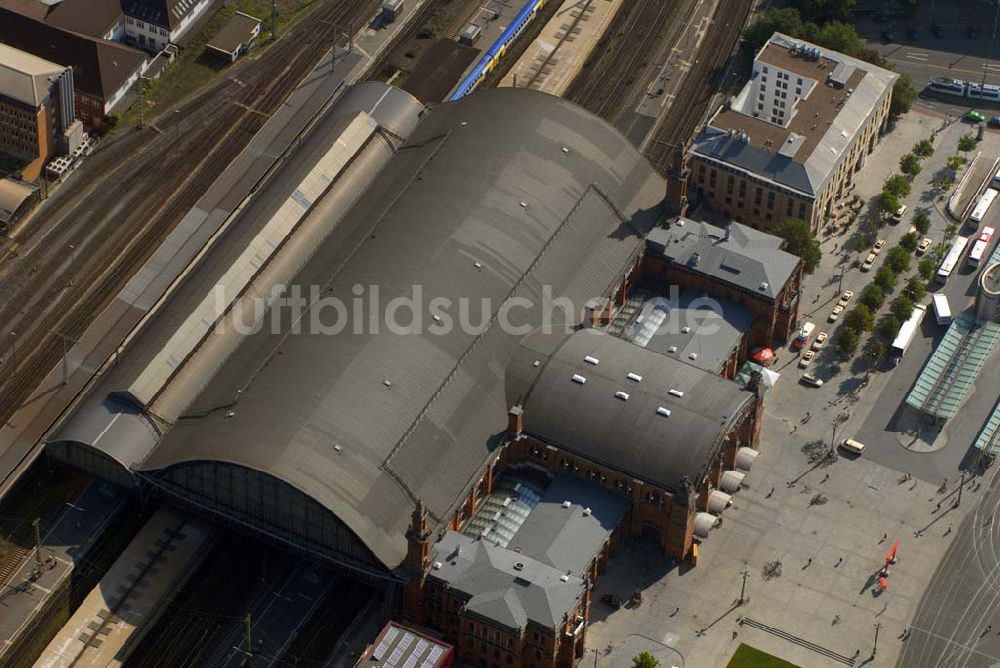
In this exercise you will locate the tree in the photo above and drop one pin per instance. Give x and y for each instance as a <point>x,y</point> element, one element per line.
<point>898,260</point>
<point>800,240</point>
<point>888,202</point>
<point>888,328</point>
<point>645,660</point>
<point>909,242</point>
<point>915,289</point>
<point>847,341</point>
<point>785,20</point>
<point>860,319</point>
<point>838,36</point>
<point>897,184</point>
<point>885,278</point>
<point>872,297</point>
<point>902,307</point>
<point>827,9</point>
<point>966,143</point>
<point>922,221</point>
<point>903,95</point>
<point>909,164</point>
<point>875,349</point>
<point>956,161</point>
<point>926,268</point>
<point>923,148</point>
<point>950,230</point>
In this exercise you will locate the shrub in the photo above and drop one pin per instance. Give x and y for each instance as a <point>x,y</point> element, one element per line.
<point>860,319</point>
<point>888,202</point>
<point>909,164</point>
<point>898,185</point>
<point>955,162</point>
<point>926,268</point>
<point>923,148</point>
<point>921,221</point>
<point>966,143</point>
<point>915,289</point>
<point>909,242</point>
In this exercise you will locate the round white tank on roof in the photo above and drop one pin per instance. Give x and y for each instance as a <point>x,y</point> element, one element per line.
<point>703,524</point>
<point>745,457</point>
<point>731,481</point>
<point>718,501</point>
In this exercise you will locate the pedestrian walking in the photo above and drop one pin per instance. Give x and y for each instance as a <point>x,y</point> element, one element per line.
<point>948,531</point>
<point>809,563</point>
<point>884,536</point>
<point>676,610</point>
<point>735,633</point>
<point>839,562</point>
<point>826,477</point>
<point>771,493</point>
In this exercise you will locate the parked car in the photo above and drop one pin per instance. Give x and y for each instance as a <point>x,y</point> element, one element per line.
<point>899,213</point>
<point>807,358</point>
<point>879,245</point>
<point>852,445</point>
<point>811,380</point>
<point>846,297</point>
<point>975,116</point>
<point>869,262</point>
<point>887,37</point>
<point>994,122</point>
<point>837,310</point>
<point>924,244</point>
<point>820,340</point>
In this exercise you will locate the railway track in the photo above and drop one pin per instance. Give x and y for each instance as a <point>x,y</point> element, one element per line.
<point>152,182</point>
<point>703,82</point>
<point>623,64</point>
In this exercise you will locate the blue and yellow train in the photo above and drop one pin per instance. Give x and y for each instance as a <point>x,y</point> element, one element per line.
<point>493,55</point>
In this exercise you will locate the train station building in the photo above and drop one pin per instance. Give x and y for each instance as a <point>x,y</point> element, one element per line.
<point>789,143</point>
<point>484,457</point>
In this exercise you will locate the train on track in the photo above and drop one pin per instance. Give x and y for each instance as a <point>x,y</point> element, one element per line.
<point>965,89</point>
<point>489,60</point>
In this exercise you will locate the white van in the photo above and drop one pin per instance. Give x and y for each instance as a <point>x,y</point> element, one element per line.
<point>851,445</point>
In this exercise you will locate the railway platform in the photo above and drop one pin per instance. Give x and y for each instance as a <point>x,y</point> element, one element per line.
<point>126,602</point>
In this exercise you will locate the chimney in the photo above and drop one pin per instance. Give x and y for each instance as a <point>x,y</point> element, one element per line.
<point>515,421</point>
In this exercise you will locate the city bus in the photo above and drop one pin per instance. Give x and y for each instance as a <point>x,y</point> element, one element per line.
<point>907,332</point>
<point>942,309</point>
<point>980,246</point>
<point>951,259</point>
<point>983,205</point>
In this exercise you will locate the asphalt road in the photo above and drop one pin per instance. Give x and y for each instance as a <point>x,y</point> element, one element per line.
<point>957,624</point>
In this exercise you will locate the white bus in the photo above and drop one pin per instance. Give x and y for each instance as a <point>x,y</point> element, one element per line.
<point>980,246</point>
<point>942,310</point>
<point>951,259</point>
<point>907,332</point>
<point>983,205</point>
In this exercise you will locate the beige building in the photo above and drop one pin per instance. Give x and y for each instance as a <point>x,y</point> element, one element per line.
<point>36,106</point>
<point>788,144</point>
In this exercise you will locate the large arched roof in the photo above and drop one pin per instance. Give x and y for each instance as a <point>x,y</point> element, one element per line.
<point>493,197</point>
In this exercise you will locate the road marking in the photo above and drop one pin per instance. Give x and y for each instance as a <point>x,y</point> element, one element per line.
<point>916,55</point>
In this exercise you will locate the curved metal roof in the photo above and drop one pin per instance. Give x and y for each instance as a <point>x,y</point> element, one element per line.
<point>492,197</point>
<point>571,402</point>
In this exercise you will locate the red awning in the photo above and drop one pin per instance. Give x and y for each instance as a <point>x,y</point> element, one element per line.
<point>763,356</point>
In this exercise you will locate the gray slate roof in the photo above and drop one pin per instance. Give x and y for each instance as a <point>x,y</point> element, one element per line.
<point>626,435</point>
<point>568,539</point>
<point>500,590</point>
<point>747,258</point>
<point>448,199</point>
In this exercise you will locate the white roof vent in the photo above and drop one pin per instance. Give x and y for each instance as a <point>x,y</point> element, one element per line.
<point>622,395</point>
<point>634,376</point>
<point>685,329</point>
<point>524,205</point>
<point>693,356</point>
<point>565,149</point>
<point>672,349</point>
<point>518,565</point>
<point>536,363</point>
<point>566,504</point>
<point>437,565</point>
<point>764,285</point>
<point>676,393</point>
<point>477,264</point>
<point>337,448</point>
<point>586,512</point>
<point>564,578</point>
<point>578,379</point>
<point>590,359</point>
<point>665,412</point>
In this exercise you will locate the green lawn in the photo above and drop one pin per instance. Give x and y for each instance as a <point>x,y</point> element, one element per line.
<point>748,657</point>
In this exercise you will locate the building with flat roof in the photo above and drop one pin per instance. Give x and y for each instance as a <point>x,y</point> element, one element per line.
<point>735,265</point>
<point>36,108</point>
<point>104,72</point>
<point>788,145</point>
